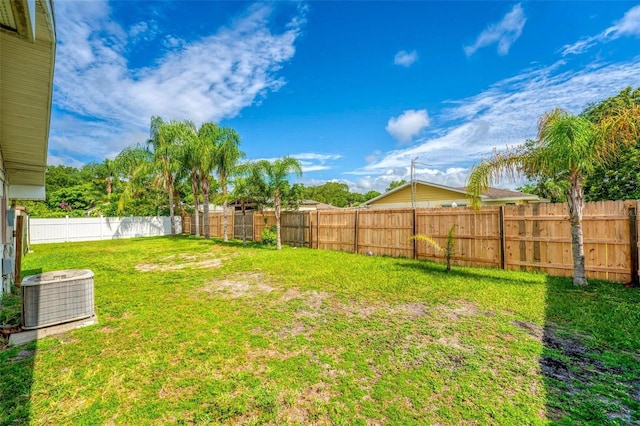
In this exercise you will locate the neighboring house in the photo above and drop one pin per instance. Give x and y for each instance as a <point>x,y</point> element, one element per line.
<point>428,194</point>
<point>27,56</point>
<point>310,205</point>
<point>306,205</point>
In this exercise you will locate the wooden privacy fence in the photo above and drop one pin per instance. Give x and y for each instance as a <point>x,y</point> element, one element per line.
<point>533,237</point>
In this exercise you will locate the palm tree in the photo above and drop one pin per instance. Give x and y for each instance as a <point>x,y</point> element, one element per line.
<point>134,165</point>
<point>208,136</point>
<point>164,141</point>
<point>246,189</point>
<point>568,147</point>
<point>274,180</point>
<point>191,159</point>
<point>226,159</point>
<point>110,170</point>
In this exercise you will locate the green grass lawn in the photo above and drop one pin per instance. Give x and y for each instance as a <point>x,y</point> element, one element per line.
<point>198,332</point>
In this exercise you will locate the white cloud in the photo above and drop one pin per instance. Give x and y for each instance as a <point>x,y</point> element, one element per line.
<point>405,59</point>
<point>316,156</point>
<point>505,32</point>
<point>311,161</point>
<point>408,124</point>
<point>629,25</point>
<point>373,156</point>
<point>208,79</point>
<point>503,115</point>
<point>54,160</point>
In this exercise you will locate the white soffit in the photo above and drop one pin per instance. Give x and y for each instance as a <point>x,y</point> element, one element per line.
<point>6,15</point>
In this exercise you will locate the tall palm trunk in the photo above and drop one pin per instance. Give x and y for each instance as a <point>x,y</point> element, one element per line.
<point>109,186</point>
<point>196,201</point>
<point>276,206</point>
<point>224,217</point>
<point>205,201</point>
<point>575,200</point>
<point>172,213</point>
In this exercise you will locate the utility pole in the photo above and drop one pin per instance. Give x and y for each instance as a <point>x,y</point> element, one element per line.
<point>413,180</point>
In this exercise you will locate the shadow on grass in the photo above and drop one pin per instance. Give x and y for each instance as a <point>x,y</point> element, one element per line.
<point>16,374</point>
<point>461,272</point>
<point>219,241</point>
<point>590,361</point>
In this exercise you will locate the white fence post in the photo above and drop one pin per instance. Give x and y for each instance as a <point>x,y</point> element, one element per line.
<point>66,239</point>
<point>101,232</point>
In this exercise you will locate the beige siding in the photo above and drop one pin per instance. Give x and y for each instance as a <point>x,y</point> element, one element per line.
<point>432,195</point>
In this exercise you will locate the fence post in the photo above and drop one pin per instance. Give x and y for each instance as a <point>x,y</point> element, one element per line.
<point>66,239</point>
<point>101,233</point>
<point>415,242</point>
<point>310,230</point>
<point>355,233</point>
<point>318,229</point>
<point>633,240</point>
<point>502,237</point>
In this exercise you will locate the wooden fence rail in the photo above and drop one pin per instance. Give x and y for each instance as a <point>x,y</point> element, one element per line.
<point>533,237</point>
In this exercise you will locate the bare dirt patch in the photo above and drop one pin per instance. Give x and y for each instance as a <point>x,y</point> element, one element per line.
<point>412,310</point>
<point>246,285</point>
<point>295,329</point>
<point>355,309</point>
<point>22,355</point>
<point>178,262</point>
<point>304,409</point>
<point>531,329</point>
<point>313,304</point>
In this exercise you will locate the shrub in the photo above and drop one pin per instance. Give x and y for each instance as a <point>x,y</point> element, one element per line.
<point>448,251</point>
<point>269,236</point>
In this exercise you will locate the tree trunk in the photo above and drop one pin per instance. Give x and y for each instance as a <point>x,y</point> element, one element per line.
<point>276,206</point>
<point>172,213</point>
<point>196,203</point>
<point>205,201</point>
<point>109,187</point>
<point>575,200</point>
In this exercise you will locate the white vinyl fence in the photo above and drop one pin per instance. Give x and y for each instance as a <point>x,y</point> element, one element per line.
<point>98,228</point>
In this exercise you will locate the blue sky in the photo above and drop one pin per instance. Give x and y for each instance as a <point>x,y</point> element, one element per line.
<point>354,90</point>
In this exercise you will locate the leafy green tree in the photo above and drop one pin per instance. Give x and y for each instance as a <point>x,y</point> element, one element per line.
<point>272,179</point>
<point>568,147</point>
<point>371,195</point>
<point>61,177</point>
<point>77,199</point>
<point>394,184</point>
<point>333,193</point>
<point>550,189</point>
<point>618,179</point>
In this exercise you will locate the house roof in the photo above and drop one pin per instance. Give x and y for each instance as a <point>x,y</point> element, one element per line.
<point>318,205</point>
<point>490,194</point>
<point>27,54</point>
<point>498,194</point>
